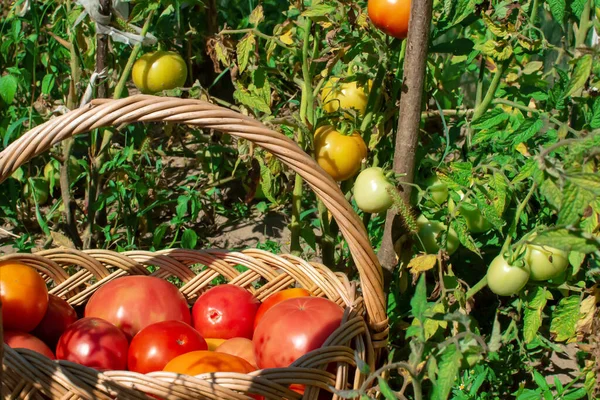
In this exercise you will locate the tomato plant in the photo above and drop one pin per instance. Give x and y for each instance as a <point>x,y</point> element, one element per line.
<point>391,16</point>
<point>225,312</point>
<point>505,279</point>
<point>371,191</point>
<point>546,262</point>
<point>59,315</point>
<point>22,340</point>
<point>24,296</point>
<point>94,343</point>
<point>133,302</point>
<point>158,71</point>
<point>240,347</point>
<point>277,298</point>
<point>294,327</point>
<point>157,344</point>
<point>339,155</point>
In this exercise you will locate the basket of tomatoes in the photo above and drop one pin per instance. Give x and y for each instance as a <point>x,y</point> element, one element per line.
<point>101,324</point>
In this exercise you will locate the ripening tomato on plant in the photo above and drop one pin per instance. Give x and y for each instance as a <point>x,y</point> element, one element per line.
<point>294,327</point>
<point>338,154</point>
<point>225,312</point>
<point>157,344</point>
<point>158,71</point>
<point>390,16</point>
<point>345,96</point>
<point>24,296</point>
<point>95,343</point>
<point>546,262</point>
<point>59,315</point>
<point>276,299</point>
<point>371,191</point>
<point>132,303</point>
<point>23,340</point>
<point>505,279</point>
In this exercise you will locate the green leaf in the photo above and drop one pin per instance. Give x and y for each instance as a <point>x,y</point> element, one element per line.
<point>251,100</point>
<point>566,240</point>
<point>536,301</point>
<point>574,202</point>
<point>448,367</point>
<point>491,119</point>
<point>460,226</point>
<point>564,318</point>
<point>8,88</point>
<point>540,380</point>
<point>576,394</point>
<point>496,339</point>
<point>552,193</point>
<point>159,234</point>
<point>385,389</point>
<point>182,206</point>
<point>527,130</point>
<point>587,181</point>
<point>526,171</point>
<point>580,75</point>
<point>501,192</point>
<point>557,8</point>
<point>418,303</point>
<point>319,10</point>
<point>48,83</point>
<point>577,7</point>
<point>595,122</point>
<point>189,239</point>
<point>244,48</point>
<point>363,367</point>
<point>529,394</point>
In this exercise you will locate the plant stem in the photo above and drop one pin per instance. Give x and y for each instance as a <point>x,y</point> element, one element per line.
<point>513,228</point>
<point>584,25</point>
<point>257,33</point>
<point>479,93</point>
<point>478,286</point>
<point>489,96</point>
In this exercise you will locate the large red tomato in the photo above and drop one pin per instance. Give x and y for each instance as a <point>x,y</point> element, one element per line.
<point>133,302</point>
<point>293,328</point>
<point>22,340</point>
<point>240,347</point>
<point>202,362</point>
<point>391,16</point>
<point>24,296</point>
<point>57,319</point>
<point>157,344</point>
<point>225,312</point>
<point>95,343</point>
<point>276,299</point>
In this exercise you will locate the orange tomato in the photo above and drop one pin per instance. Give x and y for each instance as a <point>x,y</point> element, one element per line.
<point>204,361</point>
<point>214,343</point>
<point>339,155</point>
<point>391,16</point>
<point>24,296</point>
<point>22,340</point>
<point>276,299</point>
<point>240,347</point>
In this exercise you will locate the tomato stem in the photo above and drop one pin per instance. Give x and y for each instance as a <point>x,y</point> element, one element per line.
<point>478,286</point>
<point>513,228</point>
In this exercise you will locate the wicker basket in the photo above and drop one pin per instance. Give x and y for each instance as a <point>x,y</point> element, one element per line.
<point>28,375</point>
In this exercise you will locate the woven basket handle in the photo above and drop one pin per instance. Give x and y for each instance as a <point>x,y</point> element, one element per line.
<point>142,108</point>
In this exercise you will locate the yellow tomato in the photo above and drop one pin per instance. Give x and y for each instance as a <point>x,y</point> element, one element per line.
<point>214,343</point>
<point>339,155</point>
<point>160,70</point>
<point>344,95</point>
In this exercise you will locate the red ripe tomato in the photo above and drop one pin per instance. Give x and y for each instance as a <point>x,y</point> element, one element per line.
<point>293,328</point>
<point>240,347</point>
<point>22,340</point>
<point>95,343</point>
<point>225,312</point>
<point>24,296</point>
<point>391,16</point>
<point>202,362</point>
<point>57,319</point>
<point>276,299</point>
<point>132,303</point>
<point>157,344</point>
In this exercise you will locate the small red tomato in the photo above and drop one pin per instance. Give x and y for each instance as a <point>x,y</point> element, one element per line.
<point>225,312</point>
<point>132,303</point>
<point>293,328</point>
<point>57,319</point>
<point>278,298</point>
<point>391,16</point>
<point>22,340</point>
<point>157,344</point>
<point>240,347</point>
<point>95,343</point>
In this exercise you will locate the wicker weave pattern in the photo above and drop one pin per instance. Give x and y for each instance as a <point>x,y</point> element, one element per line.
<point>28,375</point>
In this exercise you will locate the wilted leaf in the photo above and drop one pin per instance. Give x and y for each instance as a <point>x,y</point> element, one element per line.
<point>536,301</point>
<point>288,37</point>
<point>257,16</point>
<point>319,10</point>
<point>222,53</point>
<point>587,309</point>
<point>244,48</point>
<point>575,200</point>
<point>564,319</point>
<point>422,263</point>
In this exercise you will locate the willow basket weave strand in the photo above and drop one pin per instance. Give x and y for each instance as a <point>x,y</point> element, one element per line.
<point>28,375</point>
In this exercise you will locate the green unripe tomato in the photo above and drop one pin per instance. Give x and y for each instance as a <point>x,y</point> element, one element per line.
<point>504,279</point>
<point>371,191</point>
<point>429,232</point>
<point>546,262</point>
<point>158,71</point>
<point>40,187</point>
<point>437,189</point>
<point>476,223</point>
